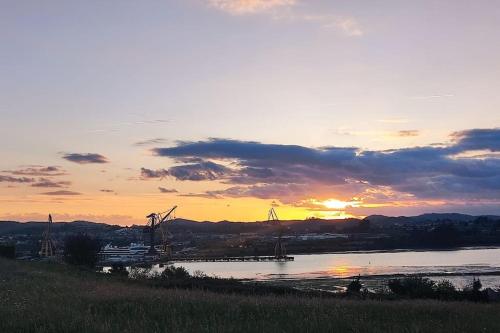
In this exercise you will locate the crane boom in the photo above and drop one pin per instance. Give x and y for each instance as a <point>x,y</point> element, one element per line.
<point>168,214</point>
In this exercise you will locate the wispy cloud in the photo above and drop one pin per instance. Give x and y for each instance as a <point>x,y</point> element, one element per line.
<point>45,182</point>
<point>61,192</point>
<point>432,96</point>
<point>37,170</point>
<point>286,10</point>
<point>349,25</point>
<point>150,142</point>
<point>88,158</point>
<point>167,190</point>
<point>394,121</point>
<point>239,7</point>
<point>408,133</point>
<point>10,179</point>
<point>116,127</point>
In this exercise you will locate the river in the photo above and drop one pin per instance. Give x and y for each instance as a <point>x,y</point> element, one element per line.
<point>458,266</point>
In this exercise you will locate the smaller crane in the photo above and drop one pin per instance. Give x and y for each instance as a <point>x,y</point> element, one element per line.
<point>48,248</point>
<point>279,249</point>
<point>159,220</point>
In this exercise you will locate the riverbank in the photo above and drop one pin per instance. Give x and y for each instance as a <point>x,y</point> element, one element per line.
<point>48,297</point>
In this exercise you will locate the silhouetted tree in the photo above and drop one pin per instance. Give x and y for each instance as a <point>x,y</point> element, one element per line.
<point>8,251</point>
<point>354,286</point>
<point>81,250</point>
<point>172,272</point>
<point>473,291</point>
<point>445,290</point>
<point>413,287</point>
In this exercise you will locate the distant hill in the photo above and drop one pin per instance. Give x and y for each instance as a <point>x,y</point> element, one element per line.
<point>226,227</point>
<point>430,217</point>
<point>12,227</point>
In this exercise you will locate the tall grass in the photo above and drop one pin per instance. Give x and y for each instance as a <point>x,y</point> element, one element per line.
<point>45,297</point>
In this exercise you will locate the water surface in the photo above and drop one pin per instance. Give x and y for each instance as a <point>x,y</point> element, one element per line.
<point>456,265</point>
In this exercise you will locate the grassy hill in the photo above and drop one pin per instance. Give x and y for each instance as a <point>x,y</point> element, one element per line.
<point>48,297</point>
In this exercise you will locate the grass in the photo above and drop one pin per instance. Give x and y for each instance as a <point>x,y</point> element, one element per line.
<point>49,297</point>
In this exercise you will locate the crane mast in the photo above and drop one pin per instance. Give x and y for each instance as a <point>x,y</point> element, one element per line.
<point>160,220</point>
<point>279,248</point>
<point>48,248</point>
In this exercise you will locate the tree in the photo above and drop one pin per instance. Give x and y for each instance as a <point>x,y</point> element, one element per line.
<point>81,250</point>
<point>354,286</point>
<point>172,272</point>
<point>8,251</point>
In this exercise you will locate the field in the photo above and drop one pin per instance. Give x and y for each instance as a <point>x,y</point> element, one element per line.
<point>49,297</point>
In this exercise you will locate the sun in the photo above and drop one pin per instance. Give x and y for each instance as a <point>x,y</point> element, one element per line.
<point>339,204</point>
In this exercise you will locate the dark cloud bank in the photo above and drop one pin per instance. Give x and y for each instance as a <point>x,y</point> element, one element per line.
<point>275,171</point>
<point>85,158</point>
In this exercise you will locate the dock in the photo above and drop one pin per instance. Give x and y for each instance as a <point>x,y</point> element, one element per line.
<point>231,259</point>
<point>151,261</point>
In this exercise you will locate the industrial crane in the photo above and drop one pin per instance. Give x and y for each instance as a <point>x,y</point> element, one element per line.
<point>159,220</point>
<point>48,248</point>
<point>279,249</point>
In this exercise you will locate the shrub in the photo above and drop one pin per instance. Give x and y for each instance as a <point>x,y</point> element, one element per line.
<point>172,272</point>
<point>414,287</point>
<point>445,290</point>
<point>8,251</point>
<point>81,250</point>
<point>473,291</point>
<point>354,286</point>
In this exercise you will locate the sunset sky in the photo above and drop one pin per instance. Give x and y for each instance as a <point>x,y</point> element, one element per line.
<point>111,110</point>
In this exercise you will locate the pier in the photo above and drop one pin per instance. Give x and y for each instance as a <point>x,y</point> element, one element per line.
<point>231,259</point>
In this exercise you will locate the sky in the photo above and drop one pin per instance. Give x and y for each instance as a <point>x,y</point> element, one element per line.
<point>111,110</point>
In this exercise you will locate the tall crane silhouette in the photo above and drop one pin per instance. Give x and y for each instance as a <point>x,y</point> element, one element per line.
<point>279,248</point>
<point>48,248</point>
<point>160,220</point>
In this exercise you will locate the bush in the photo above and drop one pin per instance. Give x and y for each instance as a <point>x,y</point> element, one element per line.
<point>445,290</point>
<point>172,272</point>
<point>473,291</point>
<point>354,286</point>
<point>414,287</point>
<point>81,250</point>
<point>8,251</point>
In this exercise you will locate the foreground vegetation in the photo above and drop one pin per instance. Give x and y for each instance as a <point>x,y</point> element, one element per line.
<point>50,297</point>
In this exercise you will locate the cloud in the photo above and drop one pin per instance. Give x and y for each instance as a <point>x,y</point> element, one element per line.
<point>348,25</point>
<point>408,133</point>
<point>238,7</point>
<point>291,173</point>
<point>477,139</point>
<point>199,171</point>
<point>48,171</point>
<point>61,192</point>
<point>433,96</point>
<point>88,158</point>
<point>150,142</point>
<point>10,179</point>
<point>204,170</point>
<point>45,182</point>
<point>151,174</point>
<point>286,10</point>
<point>167,190</point>
<point>116,127</point>
<point>107,191</point>
<point>393,121</point>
